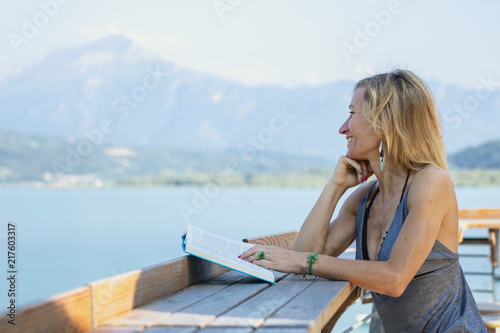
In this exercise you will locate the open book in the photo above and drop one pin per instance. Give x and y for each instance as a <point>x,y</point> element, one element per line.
<point>222,251</point>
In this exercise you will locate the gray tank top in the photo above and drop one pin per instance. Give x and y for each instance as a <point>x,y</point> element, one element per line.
<point>438,298</point>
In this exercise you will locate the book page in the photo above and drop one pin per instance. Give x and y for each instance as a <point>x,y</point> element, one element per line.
<point>219,246</point>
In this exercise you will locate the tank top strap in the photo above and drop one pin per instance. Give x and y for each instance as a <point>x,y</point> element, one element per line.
<point>364,243</point>
<point>366,212</point>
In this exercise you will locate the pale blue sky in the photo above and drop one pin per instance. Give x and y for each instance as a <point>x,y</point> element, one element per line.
<point>285,42</point>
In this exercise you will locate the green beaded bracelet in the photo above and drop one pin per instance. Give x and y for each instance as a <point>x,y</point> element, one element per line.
<point>311,259</point>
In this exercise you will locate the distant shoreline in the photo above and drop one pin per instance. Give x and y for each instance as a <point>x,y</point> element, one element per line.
<point>309,179</point>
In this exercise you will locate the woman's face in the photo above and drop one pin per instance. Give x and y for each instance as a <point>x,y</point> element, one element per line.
<point>360,135</point>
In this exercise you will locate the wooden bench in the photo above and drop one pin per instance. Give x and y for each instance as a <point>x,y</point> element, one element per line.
<point>484,218</point>
<point>490,313</point>
<point>192,295</point>
<point>492,323</point>
<point>488,308</point>
<point>481,218</point>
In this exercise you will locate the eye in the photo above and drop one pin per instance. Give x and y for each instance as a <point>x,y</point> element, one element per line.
<point>351,112</point>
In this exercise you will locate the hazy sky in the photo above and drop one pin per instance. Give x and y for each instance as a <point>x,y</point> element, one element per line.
<point>285,42</point>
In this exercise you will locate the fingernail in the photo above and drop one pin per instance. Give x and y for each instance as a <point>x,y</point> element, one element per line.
<point>366,178</point>
<point>361,170</point>
<point>251,262</point>
<point>239,256</point>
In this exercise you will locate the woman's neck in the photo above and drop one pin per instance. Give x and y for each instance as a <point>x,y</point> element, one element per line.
<point>390,180</point>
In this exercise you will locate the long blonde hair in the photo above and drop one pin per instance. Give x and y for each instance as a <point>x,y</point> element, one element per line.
<point>401,108</point>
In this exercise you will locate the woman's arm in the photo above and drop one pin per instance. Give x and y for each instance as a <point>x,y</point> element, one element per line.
<point>315,235</point>
<point>430,199</point>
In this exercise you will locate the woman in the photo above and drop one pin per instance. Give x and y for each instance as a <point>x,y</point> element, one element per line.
<point>405,222</point>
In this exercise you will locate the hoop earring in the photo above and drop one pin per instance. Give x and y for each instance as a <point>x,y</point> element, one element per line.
<point>382,156</point>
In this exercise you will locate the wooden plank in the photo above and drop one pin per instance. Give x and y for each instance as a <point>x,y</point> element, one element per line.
<point>489,308</point>
<point>65,312</point>
<point>355,294</point>
<point>479,223</point>
<point>325,298</point>
<point>202,313</point>
<point>483,223</point>
<point>114,296</point>
<point>227,278</point>
<point>116,330</point>
<point>281,330</point>
<point>185,329</point>
<point>226,330</point>
<point>479,213</point>
<point>254,311</point>
<point>488,218</point>
<point>491,321</point>
<point>148,314</point>
<point>493,240</point>
<point>283,240</point>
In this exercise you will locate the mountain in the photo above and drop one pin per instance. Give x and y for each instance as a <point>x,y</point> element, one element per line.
<point>485,156</point>
<point>36,158</point>
<point>113,92</point>
<point>60,162</point>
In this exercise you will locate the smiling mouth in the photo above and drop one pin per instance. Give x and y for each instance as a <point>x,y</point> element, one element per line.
<point>349,140</point>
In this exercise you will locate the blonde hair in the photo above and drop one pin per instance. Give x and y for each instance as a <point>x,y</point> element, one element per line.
<point>401,108</point>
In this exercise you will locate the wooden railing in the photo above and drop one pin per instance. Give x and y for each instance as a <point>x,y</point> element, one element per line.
<point>89,306</point>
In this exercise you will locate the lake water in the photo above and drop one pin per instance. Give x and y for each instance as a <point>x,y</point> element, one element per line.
<point>67,238</point>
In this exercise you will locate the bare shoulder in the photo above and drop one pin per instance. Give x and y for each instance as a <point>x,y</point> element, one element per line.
<point>431,185</point>
<point>432,199</point>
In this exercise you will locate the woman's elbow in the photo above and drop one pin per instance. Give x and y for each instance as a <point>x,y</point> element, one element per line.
<point>395,291</point>
<point>396,285</point>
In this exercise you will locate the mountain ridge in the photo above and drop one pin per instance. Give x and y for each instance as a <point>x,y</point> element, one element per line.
<point>484,156</point>
<point>50,161</point>
<point>34,158</point>
<point>70,92</point>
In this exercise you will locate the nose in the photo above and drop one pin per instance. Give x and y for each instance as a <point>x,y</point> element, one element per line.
<point>345,127</point>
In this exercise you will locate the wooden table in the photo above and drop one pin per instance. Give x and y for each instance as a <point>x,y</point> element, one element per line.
<point>189,294</point>
<point>234,302</point>
<point>481,218</point>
